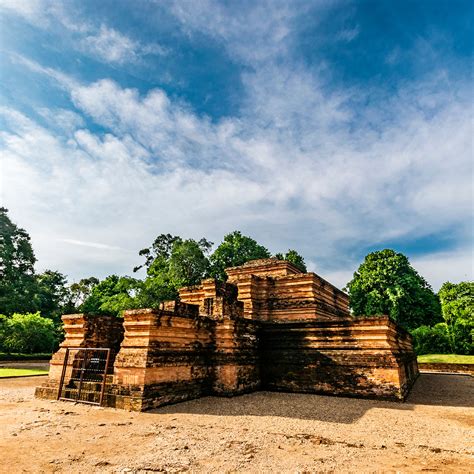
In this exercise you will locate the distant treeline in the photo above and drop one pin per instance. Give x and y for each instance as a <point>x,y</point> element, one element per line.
<point>385,283</point>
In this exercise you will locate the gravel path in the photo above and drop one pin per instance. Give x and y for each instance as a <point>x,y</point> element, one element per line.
<point>260,432</point>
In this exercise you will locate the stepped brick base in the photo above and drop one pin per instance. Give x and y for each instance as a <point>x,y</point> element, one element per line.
<point>269,327</point>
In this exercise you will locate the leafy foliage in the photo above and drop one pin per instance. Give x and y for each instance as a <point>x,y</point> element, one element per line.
<point>112,296</point>
<point>172,263</point>
<point>386,283</point>
<point>17,259</point>
<point>160,249</point>
<point>80,291</point>
<point>236,249</point>
<point>293,257</point>
<point>52,294</point>
<point>457,305</point>
<point>429,340</point>
<point>27,333</point>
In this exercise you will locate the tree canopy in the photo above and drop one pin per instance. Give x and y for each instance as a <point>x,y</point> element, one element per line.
<point>112,295</point>
<point>386,283</point>
<point>52,294</point>
<point>81,290</point>
<point>17,274</point>
<point>293,257</point>
<point>457,305</point>
<point>236,249</point>
<point>171,263</point>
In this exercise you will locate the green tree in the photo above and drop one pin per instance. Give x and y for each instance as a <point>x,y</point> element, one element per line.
<point>112,295</point>
<point>386,283</point>
<point>160,249</point>
<point>188,263</point>
<point>457,306</point>
<point>172,263</point>
<point>293,257</point>
<point>80,291</point>
<point>17,260</point>
<point>52,295</point>
<point>236,249</point>
<point>28,333</point>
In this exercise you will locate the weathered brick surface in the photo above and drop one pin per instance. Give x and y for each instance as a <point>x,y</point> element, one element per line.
<point>271,290</point>
<point>368,357</point>
<point>165,357</point>
<point>81,330</point>
<point>269,326</point>
<point>236,359</point>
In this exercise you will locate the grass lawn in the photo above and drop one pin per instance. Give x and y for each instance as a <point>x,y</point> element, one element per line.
<point>446,359</point>
<point>20,372</point>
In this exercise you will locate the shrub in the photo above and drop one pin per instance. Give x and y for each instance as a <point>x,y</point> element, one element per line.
<point>431,340</point>
<point>27,333</point>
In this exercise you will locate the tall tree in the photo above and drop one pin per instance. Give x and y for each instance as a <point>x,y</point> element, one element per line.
<point>112,295</point>
<point>160,249</point>
<point>293,257</point>
<point>386,283</point>
<point>188,263</point>
<point>17,260</point>
<point>80,291</point>
<point>457,305</point>
<point>52,295</point>
<point>171,264</point>
<point>236,249</point>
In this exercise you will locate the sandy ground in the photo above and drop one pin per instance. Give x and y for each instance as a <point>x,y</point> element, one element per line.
<point>261,432</point>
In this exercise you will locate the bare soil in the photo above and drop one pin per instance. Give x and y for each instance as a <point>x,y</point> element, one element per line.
<point>261,432</point>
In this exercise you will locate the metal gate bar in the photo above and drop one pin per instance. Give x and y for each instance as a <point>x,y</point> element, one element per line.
<point>88,374</point>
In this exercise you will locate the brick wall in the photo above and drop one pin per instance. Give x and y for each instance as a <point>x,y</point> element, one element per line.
<point>368,357</point>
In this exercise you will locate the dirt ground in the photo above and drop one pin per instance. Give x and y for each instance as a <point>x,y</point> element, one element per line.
<point>261,432</point>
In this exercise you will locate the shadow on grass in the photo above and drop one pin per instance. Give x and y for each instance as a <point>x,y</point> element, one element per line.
<point>429,389</point>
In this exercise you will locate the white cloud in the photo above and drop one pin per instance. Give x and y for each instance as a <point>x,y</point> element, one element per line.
<point>112,46</point>
<point>101,42</point>
<point>31,10</point>
<point>348,34</point>
<point>291,174</point>
<point>299,166</point>
<point>253,34</point>
<point>94,245</point>
<point>439,267</point>
<point>62,119</point>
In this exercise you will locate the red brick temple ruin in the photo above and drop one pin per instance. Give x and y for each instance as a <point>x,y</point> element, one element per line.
<point>269,327</point>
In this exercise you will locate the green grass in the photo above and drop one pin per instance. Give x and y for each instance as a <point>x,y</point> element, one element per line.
<point>18,356</point>
<point>446,359</point>
<point>20,372</point>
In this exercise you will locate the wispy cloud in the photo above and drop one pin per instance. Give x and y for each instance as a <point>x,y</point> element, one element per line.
<point>112,46</point>
<point>348,34</point>
<point>301,163</point>
<point>94,245</point>
<point>101,42</point>
<point>160,166</point>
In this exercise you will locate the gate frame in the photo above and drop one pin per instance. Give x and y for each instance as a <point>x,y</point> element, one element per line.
<point>83,369</point>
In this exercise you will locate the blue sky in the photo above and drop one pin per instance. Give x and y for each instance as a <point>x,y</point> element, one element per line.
<point>332,127</point>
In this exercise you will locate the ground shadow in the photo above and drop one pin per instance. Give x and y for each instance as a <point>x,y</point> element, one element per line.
<point>429,389</point>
